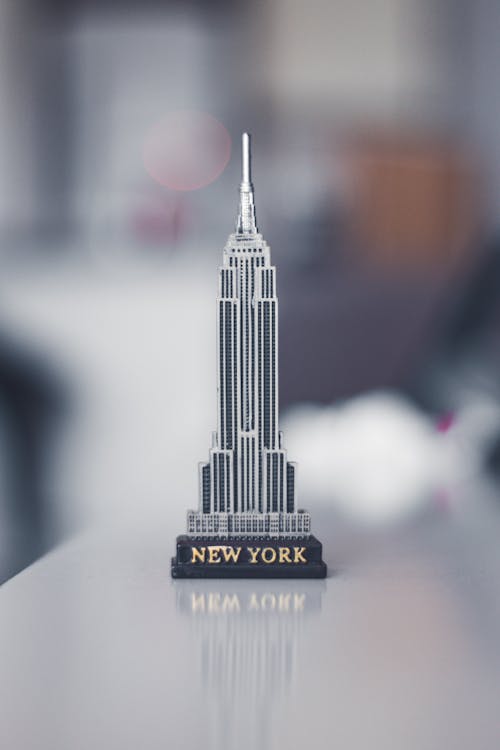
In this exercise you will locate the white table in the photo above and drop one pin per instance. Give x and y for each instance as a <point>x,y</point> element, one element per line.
<point>100,649</point>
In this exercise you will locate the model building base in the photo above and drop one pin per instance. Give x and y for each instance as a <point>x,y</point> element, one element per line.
<point>248,557</point>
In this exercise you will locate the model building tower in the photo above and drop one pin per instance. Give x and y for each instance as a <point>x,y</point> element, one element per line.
<point>247,487</point>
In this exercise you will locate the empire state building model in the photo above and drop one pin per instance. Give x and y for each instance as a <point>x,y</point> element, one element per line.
<point>247,523</point>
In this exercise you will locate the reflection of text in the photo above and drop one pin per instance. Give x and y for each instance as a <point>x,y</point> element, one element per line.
<point>216,603</point>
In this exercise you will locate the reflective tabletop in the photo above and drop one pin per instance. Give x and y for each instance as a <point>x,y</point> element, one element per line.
<point>398,648</point>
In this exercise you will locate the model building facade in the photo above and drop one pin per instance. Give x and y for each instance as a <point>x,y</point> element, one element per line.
<point>247,487</point>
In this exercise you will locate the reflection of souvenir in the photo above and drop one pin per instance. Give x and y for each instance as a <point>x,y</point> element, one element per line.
<point>249,637</point>
<point>247,524</point>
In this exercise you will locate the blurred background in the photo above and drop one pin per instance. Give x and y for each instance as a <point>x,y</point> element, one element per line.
<point>377,172</point>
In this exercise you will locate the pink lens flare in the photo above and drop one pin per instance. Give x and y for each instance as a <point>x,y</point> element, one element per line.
<point>186,150</point>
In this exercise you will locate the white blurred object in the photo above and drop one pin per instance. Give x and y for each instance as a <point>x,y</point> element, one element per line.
<point>377,458</point>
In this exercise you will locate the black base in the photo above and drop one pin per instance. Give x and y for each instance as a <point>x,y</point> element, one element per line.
<point>248,557</point>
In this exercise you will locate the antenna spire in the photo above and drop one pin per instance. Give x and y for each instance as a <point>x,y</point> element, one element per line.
<point>246,215</point>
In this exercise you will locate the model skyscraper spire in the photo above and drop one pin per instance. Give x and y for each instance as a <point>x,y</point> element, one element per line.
<point>246,215</point>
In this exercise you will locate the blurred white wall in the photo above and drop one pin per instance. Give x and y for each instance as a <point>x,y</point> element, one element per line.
<point>382,58</point>
<point>127,74</point>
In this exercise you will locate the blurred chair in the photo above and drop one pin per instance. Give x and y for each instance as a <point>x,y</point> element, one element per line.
<point>368,314</point>
<point>414,200</point>
<point>31,403</point>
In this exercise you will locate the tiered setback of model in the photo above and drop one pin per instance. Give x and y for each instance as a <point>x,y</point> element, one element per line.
<point>248,486</point>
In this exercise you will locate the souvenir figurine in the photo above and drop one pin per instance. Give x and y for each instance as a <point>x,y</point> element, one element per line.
<point>247,524</point>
